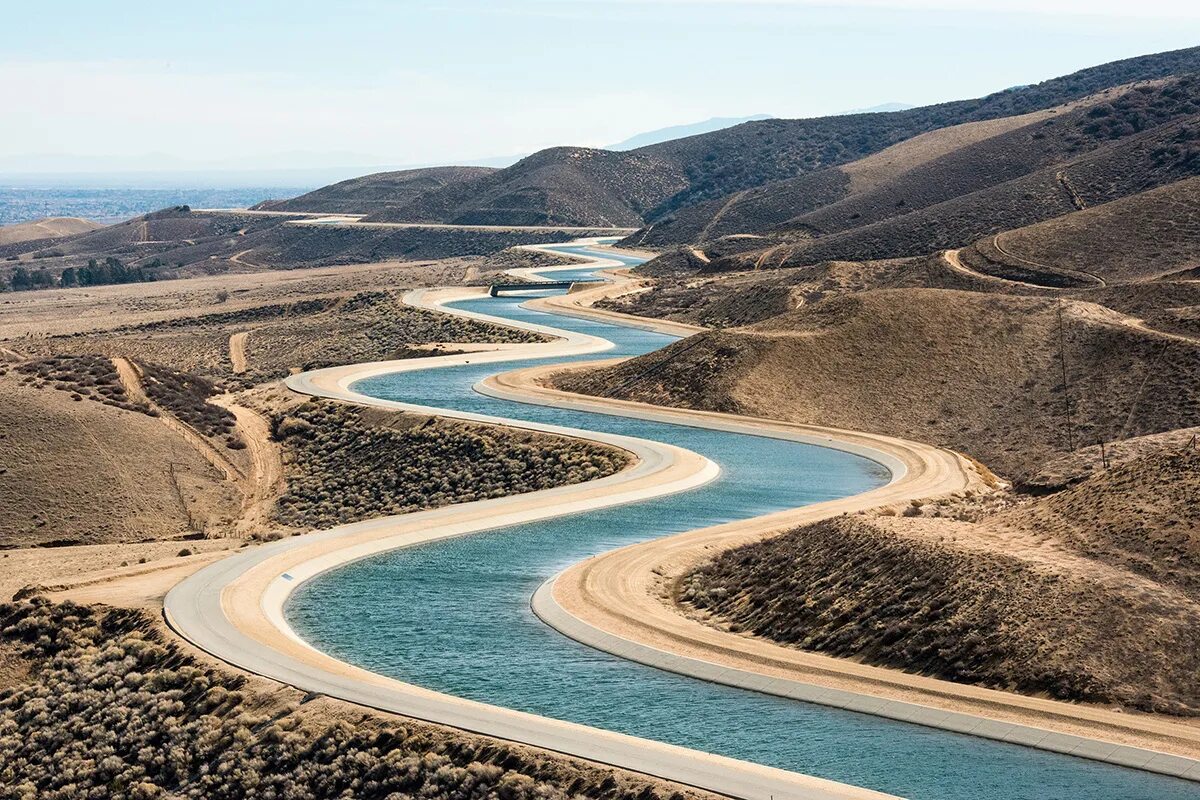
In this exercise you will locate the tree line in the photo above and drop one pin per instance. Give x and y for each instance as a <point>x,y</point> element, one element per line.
<point>96,273</point>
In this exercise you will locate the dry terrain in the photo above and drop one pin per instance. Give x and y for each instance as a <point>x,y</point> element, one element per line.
<point>950,187</point>
<point>122,709</point>
<point>127,430</point>
<point>344,464</point>
<point>270,323</point>
<point>49,228</point>
<point>184,243</point>
<point>983,374</point>
<point>84,472</point>
<point>1091,594</point>
<point>1148,237</point>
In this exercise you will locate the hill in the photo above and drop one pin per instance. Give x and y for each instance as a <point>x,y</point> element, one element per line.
<point>760,152</point>
<point>1088,595</point>
<point>559,186</point>
<point>374,193</point>
<point>48,228</point>
<point>980,373</point>
<point>1147,236</point>
<point>86,472</point>
<point>579,186</point>
<point>179,242</point>
<point>1103,150</point>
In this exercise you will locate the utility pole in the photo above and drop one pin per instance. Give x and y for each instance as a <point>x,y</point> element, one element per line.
<point>1062,359</point>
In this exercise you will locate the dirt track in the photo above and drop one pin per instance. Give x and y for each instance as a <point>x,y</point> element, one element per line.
<point>237,351</point>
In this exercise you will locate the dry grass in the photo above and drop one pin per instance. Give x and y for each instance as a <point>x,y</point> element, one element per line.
<point>28,316</point>
<point>86,472</point>
<point>1144,237</point>
<point>49,228</point>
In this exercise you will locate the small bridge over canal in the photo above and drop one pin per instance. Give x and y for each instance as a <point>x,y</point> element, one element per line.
<point>507,288</point>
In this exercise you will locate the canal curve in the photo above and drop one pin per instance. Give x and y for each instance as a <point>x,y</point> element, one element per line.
<point>453,615</point>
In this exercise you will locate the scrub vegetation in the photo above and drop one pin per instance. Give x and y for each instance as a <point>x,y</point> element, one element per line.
<point>1091,594</point>
<point>282,337</point>
<point>346,464</point>
<point>82,376</point>
<point>186,397</point>
<point>95,703</point>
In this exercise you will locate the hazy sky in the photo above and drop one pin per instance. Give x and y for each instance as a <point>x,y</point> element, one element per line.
<point>297,83</point>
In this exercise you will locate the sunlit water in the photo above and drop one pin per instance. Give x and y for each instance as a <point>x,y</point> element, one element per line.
<point>454,615</point>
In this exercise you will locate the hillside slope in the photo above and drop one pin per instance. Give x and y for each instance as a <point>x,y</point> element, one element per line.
<point>1146,236</point>
<point>979,373</point>
<point>756,153</point>
<point>1088,595</point>
<point>1146,138</point>
<point>559,186</point>
<point>48,228</point>
<point>773,204</point>
<point>374,193</point>
<point>81,471</point>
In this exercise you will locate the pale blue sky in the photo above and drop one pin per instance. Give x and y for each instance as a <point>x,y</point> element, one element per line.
<point>306,84</point>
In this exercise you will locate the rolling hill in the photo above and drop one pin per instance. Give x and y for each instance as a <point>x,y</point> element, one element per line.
<point>581,186</point>
<point>1087,595</point>
<point>44,229</point>
<point>560,186</point>
<point>980,373</point>
<point>1103,150</point>
<point>1152,235</point>
<point>377,192</point>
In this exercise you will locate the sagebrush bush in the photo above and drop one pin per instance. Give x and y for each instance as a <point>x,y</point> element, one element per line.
<point>83,376</point>
<point>186,397</point>
<point>111,710</point>
<point>343,467</point>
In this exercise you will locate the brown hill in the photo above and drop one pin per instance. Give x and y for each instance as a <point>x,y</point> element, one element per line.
<point>375,193</point>
<point>756,153</point>
<point>1147,236</point>
<point>579,186</point>
<point>1146,138</point>
<point>1043,142</point>
<point>1090,594</point>
<point>48,228</point>
<point>180,242</point>
<point>774,204</point>
<point>980,373</point>
<point>1141,515</point>
<point>559,186</point>
<point>86,472</point>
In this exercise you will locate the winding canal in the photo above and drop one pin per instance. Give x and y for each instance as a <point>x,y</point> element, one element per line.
<point>453,615</point>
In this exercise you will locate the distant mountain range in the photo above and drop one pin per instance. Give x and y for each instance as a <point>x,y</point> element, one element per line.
<point>681,131</point>
<point>882,108</point>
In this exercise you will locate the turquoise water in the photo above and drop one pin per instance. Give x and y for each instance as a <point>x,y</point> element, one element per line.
<point>454,616</point>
